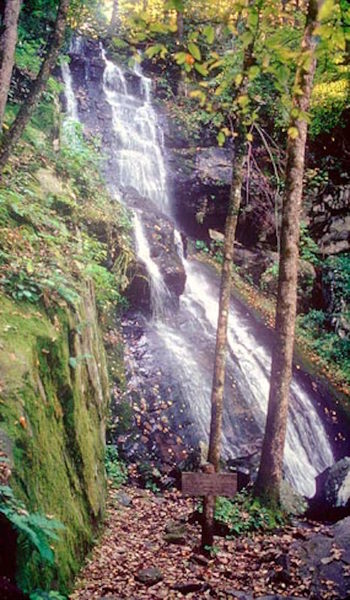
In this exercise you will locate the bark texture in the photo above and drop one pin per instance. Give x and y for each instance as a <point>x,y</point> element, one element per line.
<point>14,133</point>
<point>270,471</point>
<point>8,46</point>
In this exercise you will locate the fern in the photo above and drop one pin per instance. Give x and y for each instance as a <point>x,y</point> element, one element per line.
<point>35,531</point>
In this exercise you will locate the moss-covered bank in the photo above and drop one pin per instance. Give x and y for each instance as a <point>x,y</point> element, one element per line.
<point>65,256</point>
<point>54,400</point>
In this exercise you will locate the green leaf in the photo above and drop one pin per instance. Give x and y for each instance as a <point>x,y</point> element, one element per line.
<point>202,70</point>
<point>159,28</point>
<point>209,33</point>
<point>200,95</point>
<point>180,57</point>
<point>221,138</point>
<point>195,51</point>
<point>243,101</point>
<point>154,50</point>
<point>253,72</point>
<point>293,133</point>
<point>175,5</point>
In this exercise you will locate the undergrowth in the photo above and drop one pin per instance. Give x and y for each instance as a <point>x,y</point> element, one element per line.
<point>35,531</point>
<point>115,468</point>
<point>59,226</point>
<point>244,514</point>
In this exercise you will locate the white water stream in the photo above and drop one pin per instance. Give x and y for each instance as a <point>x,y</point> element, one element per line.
<point>186,340</point>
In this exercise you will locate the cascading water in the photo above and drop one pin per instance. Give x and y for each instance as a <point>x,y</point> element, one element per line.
<point>160,294</point>
<point>182,342</point>
<point>137,153</point>
<point>71,101</point>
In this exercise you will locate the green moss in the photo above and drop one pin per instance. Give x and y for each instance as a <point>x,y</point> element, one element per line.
<point>54,416</point>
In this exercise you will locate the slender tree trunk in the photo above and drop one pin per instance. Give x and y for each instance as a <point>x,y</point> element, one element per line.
<point>28,107</point>
<point>217,393</point>
<point>218,385</point>
<point>8,46</point>
<point>270,472</point>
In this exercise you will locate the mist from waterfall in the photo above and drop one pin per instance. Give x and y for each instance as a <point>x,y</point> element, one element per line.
<point>184,340</point>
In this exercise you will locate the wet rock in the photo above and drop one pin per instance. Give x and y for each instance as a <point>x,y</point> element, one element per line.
<point>332,498</point>
<point>149,576</point>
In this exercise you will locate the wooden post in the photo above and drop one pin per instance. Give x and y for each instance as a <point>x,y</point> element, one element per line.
<point>208,514</point>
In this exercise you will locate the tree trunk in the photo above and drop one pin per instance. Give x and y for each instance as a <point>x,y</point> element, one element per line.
<point>14,133</point>
<point>224,300</point>
<point>270,472</point>
<point>218,385</point>
<point>8,46</point>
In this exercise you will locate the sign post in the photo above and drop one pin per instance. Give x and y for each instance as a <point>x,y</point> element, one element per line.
<point>209,484</point>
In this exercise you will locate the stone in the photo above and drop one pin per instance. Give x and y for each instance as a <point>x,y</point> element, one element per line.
<point>332,498</point>
<point>123,499</point>
<point>175,533</point>
<point>188,587</point>
<point>200,559</point>
<point>149,576</point>
<point>292,502</point>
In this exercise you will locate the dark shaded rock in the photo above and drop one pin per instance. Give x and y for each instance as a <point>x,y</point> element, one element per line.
<point>325,558</point>
<point>187,587</point>
<point>332,499</point>
<point>149,576</point>
<point>200,559</point>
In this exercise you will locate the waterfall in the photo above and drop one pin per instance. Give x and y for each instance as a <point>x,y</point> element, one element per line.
<point>71,101</point>
<point>137,153</point>
<point>182,342</point>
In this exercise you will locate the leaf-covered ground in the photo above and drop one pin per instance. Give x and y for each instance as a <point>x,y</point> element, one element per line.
<point>134,540</point>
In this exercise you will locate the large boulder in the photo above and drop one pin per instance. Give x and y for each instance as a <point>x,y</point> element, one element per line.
<point>332,499</point>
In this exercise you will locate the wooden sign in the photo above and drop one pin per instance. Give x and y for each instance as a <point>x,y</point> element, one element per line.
<point>209,484</point>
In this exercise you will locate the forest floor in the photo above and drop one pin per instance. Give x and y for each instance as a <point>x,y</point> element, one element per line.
<point>135,558</point>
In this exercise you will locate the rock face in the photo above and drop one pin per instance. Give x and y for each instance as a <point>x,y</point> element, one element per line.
<point>330,221</point>
<point>332,498</point>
